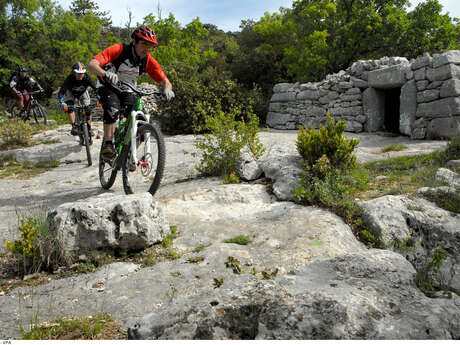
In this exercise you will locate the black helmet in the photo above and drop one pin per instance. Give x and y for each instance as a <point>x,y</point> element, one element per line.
<point>22,69</point>
<point>79,68</point>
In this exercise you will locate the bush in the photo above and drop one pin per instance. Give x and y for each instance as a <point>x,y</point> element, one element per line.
<point>452,151</point>
<point>15,133</point>
<point>38,249</point>
<point>200,94</point>
<point>328,179</point>
<point>225,141</point>
<point>312,144</point>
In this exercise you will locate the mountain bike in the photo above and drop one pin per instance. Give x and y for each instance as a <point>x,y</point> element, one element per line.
<point>84,132</point>
<point>30,107</point>
<point>140,149</point>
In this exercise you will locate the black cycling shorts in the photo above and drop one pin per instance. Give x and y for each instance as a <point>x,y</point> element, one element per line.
<point>115,103</point>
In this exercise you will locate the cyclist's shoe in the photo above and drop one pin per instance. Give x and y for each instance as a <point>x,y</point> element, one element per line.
<point>108,151</point>
<point>74,130</point>
<point>131,166</point>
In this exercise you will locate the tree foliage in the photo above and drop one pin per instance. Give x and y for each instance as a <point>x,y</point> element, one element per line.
<point>212,70</point>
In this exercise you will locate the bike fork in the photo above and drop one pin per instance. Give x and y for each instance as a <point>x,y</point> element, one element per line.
<point>134,133</point>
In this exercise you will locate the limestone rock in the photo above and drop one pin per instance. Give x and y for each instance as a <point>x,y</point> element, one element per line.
<point>129,222</point>
<point>247,167</point>
<point>283,166</point>
<point>318,302</point>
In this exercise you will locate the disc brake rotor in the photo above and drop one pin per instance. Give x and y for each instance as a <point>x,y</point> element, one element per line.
<point>146,164</point>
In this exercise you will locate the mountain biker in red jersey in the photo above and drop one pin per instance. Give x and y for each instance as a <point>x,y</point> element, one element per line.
<point>75,90</point>
<point>125,62</point>
<point>20,83</point>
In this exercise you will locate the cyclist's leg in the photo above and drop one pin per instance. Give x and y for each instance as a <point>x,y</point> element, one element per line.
<point>85,100</point>
<point>21,102</point>
<point>111,105</point>
<point>26,100</point>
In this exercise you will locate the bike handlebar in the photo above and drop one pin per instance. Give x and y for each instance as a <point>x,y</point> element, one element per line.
<point>158,94</point>
<point>79,107</point>
<point>30,93</point>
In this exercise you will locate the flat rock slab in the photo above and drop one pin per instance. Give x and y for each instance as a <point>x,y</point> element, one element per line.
<point>284,236</point>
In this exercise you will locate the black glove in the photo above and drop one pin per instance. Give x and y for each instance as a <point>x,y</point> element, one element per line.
<point>110,77</point>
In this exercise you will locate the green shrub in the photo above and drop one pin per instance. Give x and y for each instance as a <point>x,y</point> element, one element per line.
<point>15,133</point>
<point>393,148</point>
<point>38,249</point>
<point>312,144</point>
<point>225,141</point>
<point>452,151</point>
<point>203,93</point>
<point>425,278</point>
<point>241,240</point>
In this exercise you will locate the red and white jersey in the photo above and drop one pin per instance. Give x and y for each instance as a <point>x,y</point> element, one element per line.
<point>127,66</point>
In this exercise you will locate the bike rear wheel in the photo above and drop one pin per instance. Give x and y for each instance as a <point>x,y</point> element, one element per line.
<point>107,171</point>
<point>149,169</point>
<point>39,114</point>
<point>86,143</point>
<point>14,111</point>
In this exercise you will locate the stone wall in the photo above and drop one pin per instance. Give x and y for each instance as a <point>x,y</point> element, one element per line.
<point>427,96</point>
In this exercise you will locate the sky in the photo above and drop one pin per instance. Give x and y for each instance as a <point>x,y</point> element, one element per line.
<point>225,14</point>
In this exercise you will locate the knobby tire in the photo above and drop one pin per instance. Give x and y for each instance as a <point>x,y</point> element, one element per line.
<point>106,183</point>
<point>86,143</point>
<point>157,137</point>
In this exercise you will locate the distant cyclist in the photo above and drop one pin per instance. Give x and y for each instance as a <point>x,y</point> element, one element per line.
<point>20,84</point>
<point>125,62</point>
<point>74,90</point>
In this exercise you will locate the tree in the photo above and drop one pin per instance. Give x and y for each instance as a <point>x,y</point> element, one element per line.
<point>429,30</point>
<point>83,7</point>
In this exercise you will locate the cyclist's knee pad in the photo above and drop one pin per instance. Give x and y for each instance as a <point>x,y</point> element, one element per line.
<point>111,115</point>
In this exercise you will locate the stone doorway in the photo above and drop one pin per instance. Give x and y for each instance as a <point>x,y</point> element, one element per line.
<point>392,101</point>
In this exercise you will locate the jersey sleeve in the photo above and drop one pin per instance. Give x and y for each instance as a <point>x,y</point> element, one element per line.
<point>64,87</point>
<point>154,70</point>
<point>109,54</point>
<point>89,81</point>
<point>13,82</point>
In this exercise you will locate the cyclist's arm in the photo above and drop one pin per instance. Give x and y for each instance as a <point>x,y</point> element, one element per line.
<point>166,84</point>
<point>64,87</point>
<point>103,58</point>
<point>13,84</point>
<point>94,67</point>
<point>90,81</point>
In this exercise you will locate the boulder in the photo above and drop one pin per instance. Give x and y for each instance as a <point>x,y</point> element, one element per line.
<point>108,222</point>
<point>282,164</point>
<point>448,176</point>
<point>247,166</point>
<point>417,228</point>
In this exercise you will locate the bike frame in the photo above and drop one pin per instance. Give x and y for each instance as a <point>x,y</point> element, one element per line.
<point>131,132</point>
<point>132,127</point>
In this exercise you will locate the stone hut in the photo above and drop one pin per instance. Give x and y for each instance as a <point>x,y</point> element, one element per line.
<point>418,98</point>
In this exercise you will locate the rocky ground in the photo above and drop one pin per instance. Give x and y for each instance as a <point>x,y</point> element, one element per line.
<point>325,284</point>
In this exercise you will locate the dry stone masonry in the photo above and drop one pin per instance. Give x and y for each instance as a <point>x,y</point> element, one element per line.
<point>418,98</point>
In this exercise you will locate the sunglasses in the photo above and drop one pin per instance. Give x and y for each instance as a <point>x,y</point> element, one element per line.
<point>147,45</point>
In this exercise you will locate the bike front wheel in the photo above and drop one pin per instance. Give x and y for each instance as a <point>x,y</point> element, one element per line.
<point>145,175</point>
<point>87,143</point>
